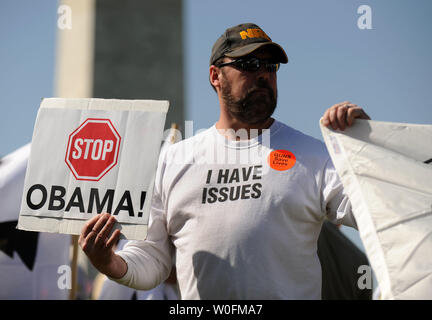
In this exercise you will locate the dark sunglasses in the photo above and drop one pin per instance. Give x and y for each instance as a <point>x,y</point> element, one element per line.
<point>251,64</point>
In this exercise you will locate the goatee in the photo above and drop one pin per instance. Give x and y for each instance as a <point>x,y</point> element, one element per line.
<point>257,105</point>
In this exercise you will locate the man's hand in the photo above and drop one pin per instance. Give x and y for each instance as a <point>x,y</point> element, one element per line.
<point>98,247</point>
<point>342,115</point>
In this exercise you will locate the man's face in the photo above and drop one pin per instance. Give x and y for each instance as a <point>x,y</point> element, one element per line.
<point>250,97</point>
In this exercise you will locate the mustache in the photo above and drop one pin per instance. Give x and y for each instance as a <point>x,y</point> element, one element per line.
<point>249,97</point>
<point>252,108</point>
<point>260,84</point>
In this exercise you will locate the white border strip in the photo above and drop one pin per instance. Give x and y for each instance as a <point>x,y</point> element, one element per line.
<point>106,104</point>
<point>72,226</point>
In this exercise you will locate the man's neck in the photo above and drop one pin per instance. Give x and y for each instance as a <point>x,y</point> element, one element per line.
<point>236,130</point>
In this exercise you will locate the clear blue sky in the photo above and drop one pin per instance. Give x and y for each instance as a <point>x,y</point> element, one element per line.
<point>27,54</point>
<point>387,70</point>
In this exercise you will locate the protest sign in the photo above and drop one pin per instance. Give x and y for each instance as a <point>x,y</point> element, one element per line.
<point>386,172</point>
<point>90,156</point>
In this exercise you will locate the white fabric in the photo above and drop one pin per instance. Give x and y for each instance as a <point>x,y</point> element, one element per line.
<point>382,168</point>
<point>112,290</point>
<point>263,246</point>
<point>12,173</point>
<point>16,280</point>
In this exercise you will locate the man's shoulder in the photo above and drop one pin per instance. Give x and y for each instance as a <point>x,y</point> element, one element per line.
<point>198,138</point>
<point>300,140</point>
<point>185,148</point>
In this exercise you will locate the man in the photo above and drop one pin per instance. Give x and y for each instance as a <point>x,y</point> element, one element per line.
<point>240,205</point>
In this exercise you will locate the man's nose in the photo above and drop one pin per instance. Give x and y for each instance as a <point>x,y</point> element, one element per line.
<point>263,74</point>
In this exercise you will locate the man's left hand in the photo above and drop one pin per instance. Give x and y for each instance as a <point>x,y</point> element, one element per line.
<point>342,115</point>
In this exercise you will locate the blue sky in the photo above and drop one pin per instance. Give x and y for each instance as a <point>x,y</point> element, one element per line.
<point>387,69</point>
<point>27,53</point>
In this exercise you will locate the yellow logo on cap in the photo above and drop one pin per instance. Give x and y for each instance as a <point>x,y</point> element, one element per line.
<point>254,33</point>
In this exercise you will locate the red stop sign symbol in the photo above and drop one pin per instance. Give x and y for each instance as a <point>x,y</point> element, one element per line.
<point>93,149</point>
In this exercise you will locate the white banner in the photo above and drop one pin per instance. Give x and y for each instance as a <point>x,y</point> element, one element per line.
<point>19,278</point>
<point>90,156</point>
<point>385,169</point>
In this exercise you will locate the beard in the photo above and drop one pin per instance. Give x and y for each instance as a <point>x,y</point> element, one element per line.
<point>257,105</point>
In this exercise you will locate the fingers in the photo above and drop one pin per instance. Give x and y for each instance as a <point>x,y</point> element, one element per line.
<point>113,239</point>
<point>342,115</point>
<point>95,232</point>
<point>102,234</point>
<point>86,231</point>
<point>356,113</point>
<point>101,223</point>
<point>332,115</point>
<point>89,226</point>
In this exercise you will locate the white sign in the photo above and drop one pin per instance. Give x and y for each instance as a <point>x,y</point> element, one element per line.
<point>90,156</point>
<point>386,172</point>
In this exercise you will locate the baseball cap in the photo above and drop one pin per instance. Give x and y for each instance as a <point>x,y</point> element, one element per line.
<point>242,40</point>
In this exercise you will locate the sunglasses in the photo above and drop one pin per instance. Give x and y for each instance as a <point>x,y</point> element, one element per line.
<point>252,64</point>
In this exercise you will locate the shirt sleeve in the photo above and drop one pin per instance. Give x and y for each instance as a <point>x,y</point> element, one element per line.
<point>335,203</point>
<point>149,261</point>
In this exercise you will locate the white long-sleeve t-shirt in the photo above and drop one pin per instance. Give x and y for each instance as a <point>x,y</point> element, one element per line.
<point>241,217</point>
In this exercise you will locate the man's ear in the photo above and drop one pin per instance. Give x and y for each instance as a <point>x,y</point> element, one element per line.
<point>214,76</point>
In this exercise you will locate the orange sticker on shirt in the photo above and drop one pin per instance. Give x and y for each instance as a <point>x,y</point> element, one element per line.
<point>281,160</point>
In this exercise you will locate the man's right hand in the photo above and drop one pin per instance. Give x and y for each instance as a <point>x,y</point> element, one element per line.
<point>98,247</point>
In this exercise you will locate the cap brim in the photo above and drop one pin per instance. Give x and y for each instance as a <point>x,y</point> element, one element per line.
<point>279,52</point>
